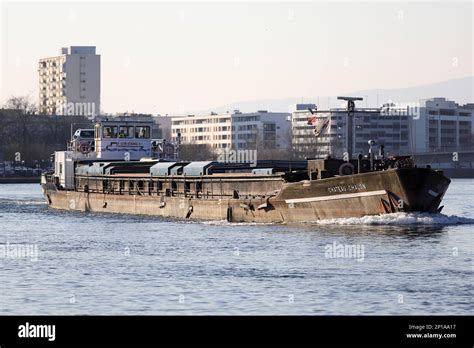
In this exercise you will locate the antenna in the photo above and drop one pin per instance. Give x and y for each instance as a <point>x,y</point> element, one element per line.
<point>350,102</point>
<point>350,98</point>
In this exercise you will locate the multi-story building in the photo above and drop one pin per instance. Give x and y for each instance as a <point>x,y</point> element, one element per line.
<point>164,124</point>
<point>324,133</point>
<point>69,84</point>
<point>442,126</point>
<point>262,129</point>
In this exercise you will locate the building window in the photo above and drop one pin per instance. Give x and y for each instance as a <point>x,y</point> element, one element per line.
<point>448,112</point>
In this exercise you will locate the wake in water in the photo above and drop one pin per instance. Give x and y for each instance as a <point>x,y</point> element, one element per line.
<point>23,201</point>
<point>227,223</point>
<point>386,219</point>
<point>400,219</point>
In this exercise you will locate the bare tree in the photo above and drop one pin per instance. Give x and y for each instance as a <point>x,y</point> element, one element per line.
<point>22,104</point>
<point>23,110</point>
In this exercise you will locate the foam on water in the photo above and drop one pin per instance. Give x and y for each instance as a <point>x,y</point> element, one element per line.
<point>22,201</point>
<point>30,202</point>
<point>227,223</point>
<point>400,219</point>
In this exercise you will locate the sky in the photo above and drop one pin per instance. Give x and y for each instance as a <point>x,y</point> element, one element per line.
<point>170,58</point>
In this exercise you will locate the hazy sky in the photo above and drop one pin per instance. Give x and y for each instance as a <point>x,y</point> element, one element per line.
<point>164,57</point>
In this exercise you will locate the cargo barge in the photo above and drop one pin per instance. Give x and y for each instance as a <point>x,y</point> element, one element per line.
<point>121,170</point>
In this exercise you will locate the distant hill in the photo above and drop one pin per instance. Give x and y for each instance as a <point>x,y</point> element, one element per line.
<point>460,90</point>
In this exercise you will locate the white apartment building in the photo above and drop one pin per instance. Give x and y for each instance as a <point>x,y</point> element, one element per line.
<point>388,128</point>
<point>443,125</point>
<point>271,130</point>
<point>164,124</point>
<point>69,84</point>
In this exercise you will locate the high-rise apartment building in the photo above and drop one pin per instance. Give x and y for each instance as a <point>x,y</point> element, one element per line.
<point>69,84</point>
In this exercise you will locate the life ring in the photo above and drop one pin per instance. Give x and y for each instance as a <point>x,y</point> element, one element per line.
<point>346,169</point>
<point>86,148</point>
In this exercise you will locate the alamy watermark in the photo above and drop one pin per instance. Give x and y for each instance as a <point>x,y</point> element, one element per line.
<point>401,109</point>
<point>346,251</point>
<point>19,251</point>
<point>87,109</point>
<point>237,156</point>
<point>28,330</point>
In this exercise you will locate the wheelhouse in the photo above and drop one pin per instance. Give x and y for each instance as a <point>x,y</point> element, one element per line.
<point>122,138</point>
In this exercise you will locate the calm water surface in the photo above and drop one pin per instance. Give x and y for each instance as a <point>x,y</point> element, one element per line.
<point>121,264</point>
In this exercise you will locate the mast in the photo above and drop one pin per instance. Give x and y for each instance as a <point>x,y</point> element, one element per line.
<point>349,122</point>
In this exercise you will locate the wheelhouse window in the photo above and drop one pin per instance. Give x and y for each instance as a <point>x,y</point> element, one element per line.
<point>142,132</point>
<point>126,132</point>
<point>109,132</point>
<point>86,134</point>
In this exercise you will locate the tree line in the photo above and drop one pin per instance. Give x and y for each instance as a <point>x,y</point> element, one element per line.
<point>31,138</point>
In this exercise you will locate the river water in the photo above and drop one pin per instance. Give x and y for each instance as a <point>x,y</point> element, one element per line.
<point>54,262</point>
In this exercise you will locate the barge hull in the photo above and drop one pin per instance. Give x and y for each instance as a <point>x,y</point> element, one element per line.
<point>374,193</point>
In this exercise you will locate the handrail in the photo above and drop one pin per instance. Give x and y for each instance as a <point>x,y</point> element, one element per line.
<point>141,191</point>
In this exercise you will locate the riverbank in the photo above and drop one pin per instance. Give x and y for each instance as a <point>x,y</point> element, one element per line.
<point>20,179</point>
